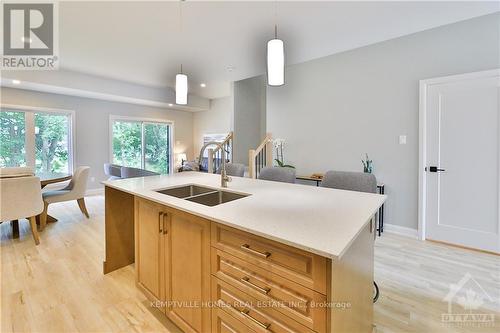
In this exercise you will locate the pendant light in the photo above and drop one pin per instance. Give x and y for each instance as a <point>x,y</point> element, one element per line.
<point>181,88</point>
<point>181,79</point>
<point>275,58</point>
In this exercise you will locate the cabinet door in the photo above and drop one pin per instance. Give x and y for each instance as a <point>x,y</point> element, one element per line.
<point>149,224</point>
<point>188,263</point>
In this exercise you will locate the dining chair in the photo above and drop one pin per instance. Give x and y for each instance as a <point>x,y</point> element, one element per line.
<point>351,181</point>
<point>74,191</point>
<point>278,174</point>
<point>12,172</point>
<point>234,169</point>
<point>21,197</point>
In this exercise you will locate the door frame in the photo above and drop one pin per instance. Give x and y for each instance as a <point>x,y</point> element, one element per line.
<point>422,141</point>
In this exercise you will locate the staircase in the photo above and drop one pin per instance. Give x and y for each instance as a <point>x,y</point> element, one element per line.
<point>215,154</point>
<point>260,157</point>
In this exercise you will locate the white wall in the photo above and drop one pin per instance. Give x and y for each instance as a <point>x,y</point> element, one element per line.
<point>217,120</point>
<point>249,116</point>
<point>333,110</point>
<point>92,124</point>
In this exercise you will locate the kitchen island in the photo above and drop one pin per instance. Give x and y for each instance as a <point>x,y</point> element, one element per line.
<point>272,257</point>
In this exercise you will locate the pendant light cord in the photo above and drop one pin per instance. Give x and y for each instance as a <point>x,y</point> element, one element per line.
<point>180,25</point>
<point>276,19</point>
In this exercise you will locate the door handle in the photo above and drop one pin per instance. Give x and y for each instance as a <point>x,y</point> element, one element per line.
<point>434,169</point>
<point>165,230</point>
<point>160,222</point>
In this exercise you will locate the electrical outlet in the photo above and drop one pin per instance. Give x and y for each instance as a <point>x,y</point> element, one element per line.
<point>402,139</point>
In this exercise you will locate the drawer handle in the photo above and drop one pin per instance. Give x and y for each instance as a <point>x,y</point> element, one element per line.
<point>246,280</point>
<point>247,248</point>
<point>245,312</point>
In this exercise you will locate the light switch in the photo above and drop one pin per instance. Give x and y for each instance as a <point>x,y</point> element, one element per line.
<point>402,139</point>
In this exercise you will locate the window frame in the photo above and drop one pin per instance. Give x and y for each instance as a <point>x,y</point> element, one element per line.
<point>29,135</point>
<point>143,121</point>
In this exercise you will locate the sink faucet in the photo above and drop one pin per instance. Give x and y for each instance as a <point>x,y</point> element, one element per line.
<point>224,178</point>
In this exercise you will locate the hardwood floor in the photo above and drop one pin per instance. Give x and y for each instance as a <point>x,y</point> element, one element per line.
<point>58,286</point>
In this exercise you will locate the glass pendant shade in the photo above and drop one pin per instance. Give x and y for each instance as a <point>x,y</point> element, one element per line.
<point>275,62</point>
<point>181,89</point>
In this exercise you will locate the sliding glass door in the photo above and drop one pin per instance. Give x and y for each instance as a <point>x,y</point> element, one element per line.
<point>141,144</point>
<point>36,138</point>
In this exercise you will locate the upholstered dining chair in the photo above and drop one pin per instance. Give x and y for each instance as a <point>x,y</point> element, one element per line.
<point>20,197</point>
<point>74,191</point>
<point>278,174</point>
<point>351,181</point>
<point>234,169</point>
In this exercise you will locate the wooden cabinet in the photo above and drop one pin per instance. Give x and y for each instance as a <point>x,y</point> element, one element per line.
<point>173,263</point>
<point>223,322</point>
<point>150,231</point>
<point>189,262</point>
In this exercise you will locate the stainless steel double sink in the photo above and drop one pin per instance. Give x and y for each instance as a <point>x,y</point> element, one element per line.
<point>203,195</point>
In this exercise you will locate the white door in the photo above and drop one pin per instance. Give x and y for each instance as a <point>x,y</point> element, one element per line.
<point>462,141</point>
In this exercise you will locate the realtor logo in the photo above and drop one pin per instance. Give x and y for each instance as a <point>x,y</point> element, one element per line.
<point>29,36</point>
<point>470,295</point>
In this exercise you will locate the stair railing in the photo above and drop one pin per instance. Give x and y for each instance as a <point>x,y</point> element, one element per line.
<point>260,157</point>
<point>215,155</point>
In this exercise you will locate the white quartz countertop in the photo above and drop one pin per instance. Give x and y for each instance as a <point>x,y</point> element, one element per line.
<point>319,220</point>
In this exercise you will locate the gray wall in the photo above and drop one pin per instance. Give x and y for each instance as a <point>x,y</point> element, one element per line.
<point>92,124</point>
<point>217,120</point>
<point>249,116</point>
<point>333,110</point>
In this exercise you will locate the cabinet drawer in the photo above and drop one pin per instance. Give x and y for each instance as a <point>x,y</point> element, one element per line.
<point>223,322</point>
<point>259,316</point>
<point>291,299</point>
<point>300,266</point>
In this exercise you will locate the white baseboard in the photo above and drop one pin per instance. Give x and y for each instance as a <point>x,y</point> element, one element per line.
<point>94,191</point>
<point>399,230</point>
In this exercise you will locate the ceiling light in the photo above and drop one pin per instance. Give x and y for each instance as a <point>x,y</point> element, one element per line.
<point>275,61</point>
<point>203,85</point>
<point>170,104</point>
<point>181,88</point>
<point>16,82</point>
<point>28,40</point>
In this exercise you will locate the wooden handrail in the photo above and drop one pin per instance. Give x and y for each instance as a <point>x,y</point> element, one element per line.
<point>260,157</point>
<point>228,138</point>
<point>212,153</point>
<point>264,142</point>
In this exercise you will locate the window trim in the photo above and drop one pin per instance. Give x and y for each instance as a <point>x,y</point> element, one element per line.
<point>113,118</point>
<point>30,134</point>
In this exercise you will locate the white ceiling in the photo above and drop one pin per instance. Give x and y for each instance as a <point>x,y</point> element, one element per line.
<point>141,41</point>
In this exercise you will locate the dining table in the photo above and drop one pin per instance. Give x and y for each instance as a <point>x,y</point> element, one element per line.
<point>46,178</point>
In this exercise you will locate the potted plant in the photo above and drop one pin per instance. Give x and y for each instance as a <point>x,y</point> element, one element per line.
<point>279,145</point>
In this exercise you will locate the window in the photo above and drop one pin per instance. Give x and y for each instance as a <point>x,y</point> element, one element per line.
<point>38,138</point>
<point>12,139</point>
<point>141,144</point>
